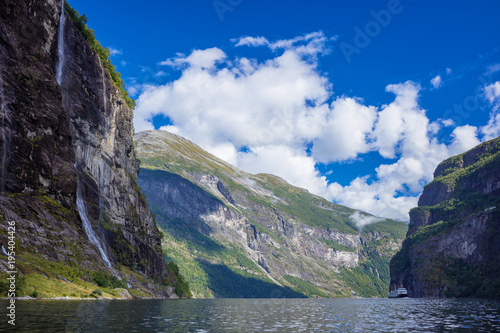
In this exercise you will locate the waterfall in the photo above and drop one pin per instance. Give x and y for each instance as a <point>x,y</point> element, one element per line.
<point>104,93</point>
<point>80,204</point>
<point>60,46</point>
<point>6,133</point>
<point>109,134</point>
<point>88,226</point>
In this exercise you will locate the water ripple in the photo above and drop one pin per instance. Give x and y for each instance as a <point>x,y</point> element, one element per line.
<point>259,315</point>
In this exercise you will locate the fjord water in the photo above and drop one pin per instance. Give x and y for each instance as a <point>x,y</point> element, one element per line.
<point>258,315</point>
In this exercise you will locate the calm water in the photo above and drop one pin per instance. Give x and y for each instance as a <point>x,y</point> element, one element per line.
<point>268,315</point>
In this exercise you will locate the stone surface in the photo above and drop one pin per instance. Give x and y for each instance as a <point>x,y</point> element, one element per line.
<point>253,212</point>
<point>453,241</point>
<point>48,129</point>
<point>125,294</point>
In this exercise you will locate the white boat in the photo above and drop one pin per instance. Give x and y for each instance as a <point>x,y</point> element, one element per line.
<point>398,293</point>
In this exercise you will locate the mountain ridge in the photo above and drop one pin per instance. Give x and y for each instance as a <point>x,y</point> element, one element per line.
<point>291,236</point>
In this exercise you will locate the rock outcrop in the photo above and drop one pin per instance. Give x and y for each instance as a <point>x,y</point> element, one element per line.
<point>453,241</point>
<point>257,225</point>
<point>58,139</point>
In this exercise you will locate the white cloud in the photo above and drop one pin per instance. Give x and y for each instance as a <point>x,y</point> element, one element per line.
<point>396,119</point>
<point>161,74</point>
<point>362,220</point>
<point>345,131</point>
<point>312,40</point>
<point>448,70</point>
<point>291,164</point>
<point>248,103</point>
<point>197,59</point>
<point>492,92</point>
<point>133,90</point>
<point>171,129</point>
<point>284,113</point>
<point>447,122</point>
<point>436,82</point>
<point>250,41</point>
<point>464,138</point>
<point>113,51</point>
<point>492,129</point>
<point>492,69</point>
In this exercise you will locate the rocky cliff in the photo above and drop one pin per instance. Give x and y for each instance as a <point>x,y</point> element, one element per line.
<point>240,235</point>
<point>453,241</point>
<point>69,172</point>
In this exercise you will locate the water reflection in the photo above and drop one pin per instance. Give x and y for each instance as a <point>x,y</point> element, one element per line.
<point>258,315</point>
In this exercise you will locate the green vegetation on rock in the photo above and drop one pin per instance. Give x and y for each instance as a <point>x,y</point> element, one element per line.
<point>306,288</point>
<point>234,234</point>
<point>104,53</point>
<point>181,285</point>
<point>452,248</point>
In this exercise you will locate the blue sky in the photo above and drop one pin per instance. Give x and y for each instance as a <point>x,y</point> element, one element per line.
<point>356,101</point>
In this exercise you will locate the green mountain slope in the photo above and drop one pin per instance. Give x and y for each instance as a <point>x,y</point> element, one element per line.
<point>229,230</point>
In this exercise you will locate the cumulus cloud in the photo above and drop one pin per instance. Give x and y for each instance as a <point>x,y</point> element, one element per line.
<point>248,103</point>
<point>465,138</point>
<point>492,129</point>
<point>492,92</point>
<point>346,127</point>
<point>291,164</point>
<point>436,81</point>
<point>397,119</point>
<point>281,116</point>
<point>447,122</point>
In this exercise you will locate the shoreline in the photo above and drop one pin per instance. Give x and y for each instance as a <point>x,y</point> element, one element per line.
<point>67,298</point>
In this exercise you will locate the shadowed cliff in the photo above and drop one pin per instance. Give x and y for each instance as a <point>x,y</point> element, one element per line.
<point>453,241</point>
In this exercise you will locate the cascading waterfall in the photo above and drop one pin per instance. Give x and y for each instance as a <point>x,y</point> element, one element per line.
<point>80,204</point>
<point>60,46</point>
<point>104,93</point>
<point>109,134</point>
<point>88,226</point>
<point>6,133</point>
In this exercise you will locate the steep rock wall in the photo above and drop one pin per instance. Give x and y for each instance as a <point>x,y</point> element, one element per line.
<point>451,249</point>
<point>49,129</point>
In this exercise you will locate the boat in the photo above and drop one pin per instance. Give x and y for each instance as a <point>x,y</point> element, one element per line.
<point>398,293</point>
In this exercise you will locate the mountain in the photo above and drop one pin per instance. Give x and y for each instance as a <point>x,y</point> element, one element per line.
<point>453,241</point>
<point>68,168</point>
<point>234,234</point>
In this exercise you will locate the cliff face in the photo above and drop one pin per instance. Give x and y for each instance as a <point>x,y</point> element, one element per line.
<point>453,241</point>
<point>225,227</point>
<point>67,141</point>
